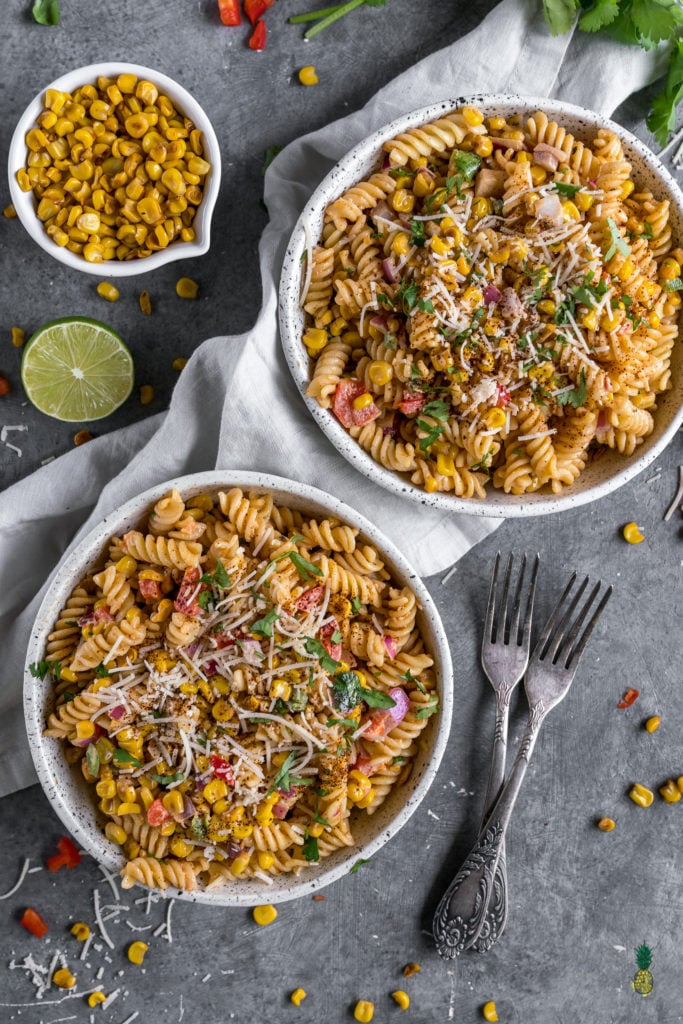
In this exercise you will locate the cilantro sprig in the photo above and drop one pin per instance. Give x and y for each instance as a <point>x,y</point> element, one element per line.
<point>45,12</point>
<point>577,396</point>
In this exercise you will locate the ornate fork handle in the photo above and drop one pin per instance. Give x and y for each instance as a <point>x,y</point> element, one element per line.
<point>462,913</point>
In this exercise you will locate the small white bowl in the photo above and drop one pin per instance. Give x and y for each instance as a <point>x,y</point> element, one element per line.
<point>74,801</point>
<point>25,204</point>
<point>601,476</point>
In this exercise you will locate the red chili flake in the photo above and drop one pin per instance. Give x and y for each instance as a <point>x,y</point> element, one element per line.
<point>319,899</point>
<point>629,698</point>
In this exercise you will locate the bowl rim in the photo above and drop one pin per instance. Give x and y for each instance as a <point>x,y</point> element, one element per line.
<point>497,504</point>
<point>24,201</point>
<point>36,694</point>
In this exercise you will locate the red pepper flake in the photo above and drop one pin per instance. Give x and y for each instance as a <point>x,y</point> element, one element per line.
<point>68,856</point>
<point>257,39</point>
<point>32,920</point>
<point>319,899</point>
<point>629,698</point>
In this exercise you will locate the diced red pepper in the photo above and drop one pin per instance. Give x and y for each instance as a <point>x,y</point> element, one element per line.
<point>68,856</point>
<point>150,589</point>
<point>629,698</point>
<point>157,814</point>
<point>380,724</point>
<point>310,598</point>
<point>32,920</point>
<point>222,769</point>
<point>257,39</point>
<point>229,11</point>
<point>503,396</point>
<point>255,9</point>
<point>342,407</point>
<point>412,404</point>
<point>325,634</point>
<point>183,602</point>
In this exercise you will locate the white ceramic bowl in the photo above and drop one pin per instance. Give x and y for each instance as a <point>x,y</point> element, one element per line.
<point>601,476</point>
<point>25,204</point>
<point>74,801</point>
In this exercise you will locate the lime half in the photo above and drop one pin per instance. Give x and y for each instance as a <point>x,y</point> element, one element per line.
<point>76,370</point>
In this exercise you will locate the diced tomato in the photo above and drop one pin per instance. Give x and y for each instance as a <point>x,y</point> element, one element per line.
<point>229,11</point>
<point>150,589</point>
<point>222,769</point>
<point>342,407</point>
<point>412,404</point>
<point>257,39</point>
<point>87,618</point>
<point>32,920</point>
<point>255,9</point>
<point>380,724</point>
<point>223,639</point>
<point>364,764</point>
<point>503,396</point>
<point>310,598</point>
<point>102,614</point>
<point>188,586</point>
<point>68,856</point>
<point>325,634</point>
<point>157,814</point>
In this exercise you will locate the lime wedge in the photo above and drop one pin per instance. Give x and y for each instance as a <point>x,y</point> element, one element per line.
<point>76,370</point>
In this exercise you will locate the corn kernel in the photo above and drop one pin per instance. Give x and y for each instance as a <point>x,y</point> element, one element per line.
<point>423,184</point>
<point>108,291</point>
<point>403,201</point>
<point>546,306</point>
<point>173,801</point>
<point>316,829</point>
<point>136,952</point>
<point>590,320</point>
<point>115,833</point>
<point>222,711</point>
<point>431,484</point>
<point>84,730</point>
<point>606,824</point>
<point>488,1011</point>
<point>179,848</point>
<point>214,790</point>
<point>483,146</point>
<point>362,402</point>
<point>367,800</point>
<point>641,795</point>
<point>610,321</point>
<point>146,394</point>
<point>315,339</point>
<point>669,269</point>
<point>652,723</point>
<point>297,996</point>
<point>128,808</point>
<point>265,914</point>
<point>338,326</point>
<point>168,828</point>
<point>632,534</point>
<point>410,969</point>
<point>401,998</point>
<point>106,788</point>
<point>570,211</point>
<point>496,418</point>
<point>95,998</point>
<point>307,75</point>
<point>265,859</point>
<point>364,1011</point>
<point>670,792</point>
<point>359,786</point>
<point>445,465</point>
<point>63,978</point>
<point>380,372</point>
<point>626,189</point>
<point>80,930</point>
<point>463,265</point>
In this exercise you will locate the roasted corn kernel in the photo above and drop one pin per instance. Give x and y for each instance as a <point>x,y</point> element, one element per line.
<point>632,534</point>
<point>108,291</point>
<point>641,795</point>
<point>265,914</point>
<point>63,978</point>
<point>606,824</point>
<point>146,394</point>
<point>95,998</point>
<point>488,1011</point>
<point>652,723</point>
<point>670,792</point>
<point>136,952</point>
<point>297,996</point>
<point>410,969</point>
<point>80,931</point>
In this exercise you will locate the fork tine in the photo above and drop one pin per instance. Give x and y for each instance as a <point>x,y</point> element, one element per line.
<point>528,614</point>
<point>550,624</point>
<point>559,633</point>
<point>505,618</point>
<point>565,643</point>
<point>578,650</point>
<point>517,603</point>
<point>491,606</point>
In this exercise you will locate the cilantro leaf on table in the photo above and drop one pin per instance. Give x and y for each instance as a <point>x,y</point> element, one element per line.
<point>45,12</point>
<point>656,20</point>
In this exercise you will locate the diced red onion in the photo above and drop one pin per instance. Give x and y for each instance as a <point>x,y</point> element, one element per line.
<point>210,667</point>
<point>188,811</point>
<point>389,269</point>
<point>602,421</point>
<point>401,704</point>
<point>391,645</point>
<point>232,849</point>
<point>380,323</point>
<point>491,294</point>
<point>386,163</point>
<point>99,731</point>
<point>392,429</point>
<point>117,712</point>
<point>192,649</point>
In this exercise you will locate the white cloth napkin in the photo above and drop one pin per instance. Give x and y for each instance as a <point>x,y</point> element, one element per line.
<point>235,405</point>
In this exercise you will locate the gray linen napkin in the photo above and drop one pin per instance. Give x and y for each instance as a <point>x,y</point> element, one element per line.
<point>216,415</point>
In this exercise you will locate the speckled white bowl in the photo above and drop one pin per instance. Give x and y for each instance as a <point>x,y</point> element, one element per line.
<point>73,799</point>
<point>601,476</point>
<point>25,204</point>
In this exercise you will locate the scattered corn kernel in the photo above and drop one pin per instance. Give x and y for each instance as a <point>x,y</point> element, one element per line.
<point>641,795</point>
<point>186,288</point>
<point>632,534</point>
<point>146,394</point>
<point>9,212</point>
<point>670,792</point>
<point>18,337</point>
<point>590,321</point>
<point>364,1011</point>
<point>297,996</point>
<point>136,952</point>
<point>606,824</point>
<point>653,723</point>
<point>488,1011</point>
<point>307,75</point>
<point>410,969</point>
<point>179,364</point>
<point>63,978</point>
<point>401,998</point>
<point>95,998</point>
<point>108,291</point>
<point>80,930</point>
<point>264,914</point>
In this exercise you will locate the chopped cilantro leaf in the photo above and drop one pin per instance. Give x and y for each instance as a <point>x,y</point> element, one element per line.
<point>346,691</point>
<point>417,233</point>
<point>483,463</point>
<point>428,709</point>
<point>346,723</point>
<point>376,698</point>
<point>315,648</point>
<point>467,164</point>
<point>432,434</point>
<point>264,626</point>
<point>92,760</point>
<point>166,780</point>
<point>384,299</point>
<point>577,396</point>
<point>101,670</point>
<point>438,409</point>
<point>565,189</point>
<point>407,295</point>
<point>426,305</point>
<point>282,779</point>
<point>410,678</point>
<point>618,242</point>
<point>123,757</point>
<point>356,605</point>
<point>204,599</point>
<point>399,759</point>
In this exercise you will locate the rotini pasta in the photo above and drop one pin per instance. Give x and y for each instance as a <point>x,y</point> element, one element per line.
<point>235,717</point>
<point>502,303</point>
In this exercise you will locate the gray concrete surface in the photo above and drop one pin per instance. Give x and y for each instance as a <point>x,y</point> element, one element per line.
<point>580,900</point>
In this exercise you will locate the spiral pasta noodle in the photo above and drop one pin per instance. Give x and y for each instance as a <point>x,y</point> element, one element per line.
<point>493,278</point>
<point>250,704</point>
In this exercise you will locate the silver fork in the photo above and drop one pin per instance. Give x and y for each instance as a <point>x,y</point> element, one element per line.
<point>504,657</point>
<point>461,914</point>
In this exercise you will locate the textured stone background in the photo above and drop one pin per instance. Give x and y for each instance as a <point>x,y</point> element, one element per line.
<point>580,900</point>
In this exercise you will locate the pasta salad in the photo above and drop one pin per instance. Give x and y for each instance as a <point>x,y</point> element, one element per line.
<point>238,682</point>
<point>496,304</point>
